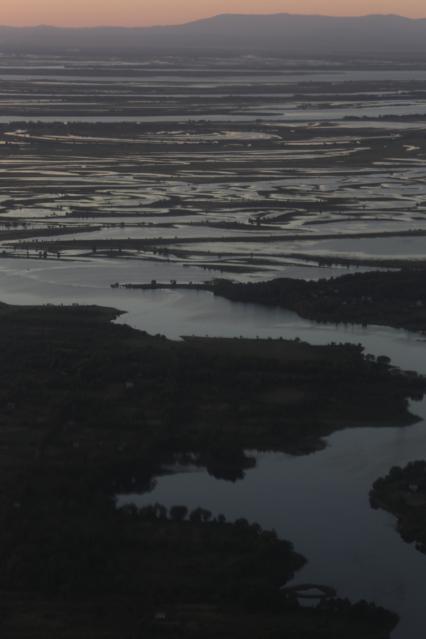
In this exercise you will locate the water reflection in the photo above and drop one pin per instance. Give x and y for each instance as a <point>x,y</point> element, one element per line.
<point>321,502</point>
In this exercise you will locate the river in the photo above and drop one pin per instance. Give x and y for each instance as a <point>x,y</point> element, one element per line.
<point>320,501</point>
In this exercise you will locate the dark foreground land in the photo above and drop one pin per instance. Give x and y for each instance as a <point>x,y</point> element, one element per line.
<point>103,572</point>
<point>89,409</point>
<point>392,298</point>
<point>403,493</point>
<point>78,387</point>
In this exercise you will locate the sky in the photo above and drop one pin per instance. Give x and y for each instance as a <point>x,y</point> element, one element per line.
<point>151,12</point>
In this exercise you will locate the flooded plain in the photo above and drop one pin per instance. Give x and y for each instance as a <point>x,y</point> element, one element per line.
<point>124,171</point>
<point>158,158</point>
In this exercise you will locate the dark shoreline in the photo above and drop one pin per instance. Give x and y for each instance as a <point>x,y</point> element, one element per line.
<point>90,409</point>
<point>403,493</point>
<point>396,298</point>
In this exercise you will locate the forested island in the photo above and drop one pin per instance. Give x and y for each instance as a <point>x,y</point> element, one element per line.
<point>90,409</point>
<point>394,298</point>
<point>403,493</point>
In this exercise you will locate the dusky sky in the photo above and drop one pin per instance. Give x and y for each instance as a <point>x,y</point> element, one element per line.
<point>151,12</point>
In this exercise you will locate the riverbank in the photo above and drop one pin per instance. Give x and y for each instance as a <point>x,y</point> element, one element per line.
<point>95,387</point>
<point>90,409</point>
<point>403,493</point>
<point>395,298</point>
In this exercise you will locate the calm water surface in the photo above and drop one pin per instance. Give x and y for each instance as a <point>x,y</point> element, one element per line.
<point>319,501</point>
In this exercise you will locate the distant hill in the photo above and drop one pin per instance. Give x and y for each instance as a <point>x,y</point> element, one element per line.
<point>284,33</point>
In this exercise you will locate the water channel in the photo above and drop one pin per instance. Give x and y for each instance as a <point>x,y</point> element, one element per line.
<point>319,501</point>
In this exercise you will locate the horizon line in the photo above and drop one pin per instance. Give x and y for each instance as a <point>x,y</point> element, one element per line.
<point>211,17</point>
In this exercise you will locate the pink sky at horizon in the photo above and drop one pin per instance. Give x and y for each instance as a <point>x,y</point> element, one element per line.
<point>151,12</point>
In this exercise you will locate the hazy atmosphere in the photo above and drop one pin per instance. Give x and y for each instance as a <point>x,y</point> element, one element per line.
<point>153,12</point>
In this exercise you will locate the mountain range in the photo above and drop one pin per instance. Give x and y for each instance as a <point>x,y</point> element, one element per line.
<point>281,33</point>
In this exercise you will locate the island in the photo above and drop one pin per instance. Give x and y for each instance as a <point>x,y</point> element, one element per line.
<point>403,493</point>
<point>393,297</point>
<point>90,409</point>
<point>81,389</point>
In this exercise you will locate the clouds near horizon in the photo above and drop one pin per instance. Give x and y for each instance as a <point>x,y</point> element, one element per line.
<point>149,12</point>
